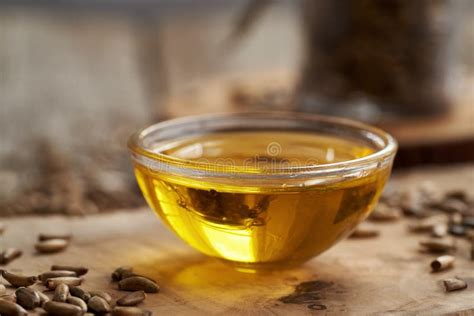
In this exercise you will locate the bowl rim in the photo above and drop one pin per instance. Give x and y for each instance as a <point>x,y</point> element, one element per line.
<point>156,160</point>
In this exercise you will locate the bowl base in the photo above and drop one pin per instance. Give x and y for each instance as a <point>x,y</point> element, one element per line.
<point>262,267</point>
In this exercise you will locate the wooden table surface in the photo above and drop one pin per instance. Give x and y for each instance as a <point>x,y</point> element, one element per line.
<point>384,275</point>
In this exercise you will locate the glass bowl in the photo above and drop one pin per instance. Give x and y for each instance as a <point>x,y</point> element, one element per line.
<point>264,188</point>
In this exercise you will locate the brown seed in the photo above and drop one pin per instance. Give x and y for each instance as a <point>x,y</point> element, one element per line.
<point>61,293</point>
<point>412,204</point>
<point>62,309</point>
<point>472,249</point>
<point>70,281</point>
<point>78,302</point>
<point>468,221</point>
<point>131,274</point>
<point>384,213</point>
<point>9,255</point>
<point>364,232</point>
<point>27,298</point>
<point>421,227</point>
<point>106,296</point>
<point>80,293</point>
<point>19,280</point>
<point>452,205</point>
<point>426,225</point>
<point>459,194</point>
<point>56,274</point>
<point>138,283</point>
<point>8,308</point>
<point>80,271</point>
<point>438,245</point>
<point>98,305</point>
<point>132,299</point>
<point>51,245</point>
<point>43,297</point>
<point>43,237</point>
<point>455,219</point>
<point>454,284</point>
<point>126,275</point>
<point>121,272</point>
<point>439,230</point>
<point>442,263</point>
<point>130,311</point>
<point>457,230</point>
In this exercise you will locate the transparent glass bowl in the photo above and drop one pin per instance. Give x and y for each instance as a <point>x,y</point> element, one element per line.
<point>264,188</point>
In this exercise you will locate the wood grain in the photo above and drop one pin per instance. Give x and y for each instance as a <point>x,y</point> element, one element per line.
<point>385,275</point>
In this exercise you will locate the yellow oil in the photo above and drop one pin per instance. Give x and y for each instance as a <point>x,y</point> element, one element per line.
<point>278,223</point>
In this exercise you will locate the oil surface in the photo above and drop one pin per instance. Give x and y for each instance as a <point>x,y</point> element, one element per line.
<point>279,223</point>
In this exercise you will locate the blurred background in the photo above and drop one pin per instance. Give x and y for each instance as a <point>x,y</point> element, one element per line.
<point>78,77</point>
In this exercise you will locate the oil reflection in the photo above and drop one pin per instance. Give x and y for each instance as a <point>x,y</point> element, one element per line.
<point>209,284</point>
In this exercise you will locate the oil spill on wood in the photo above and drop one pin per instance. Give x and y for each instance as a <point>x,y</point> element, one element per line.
<point>311,293</point>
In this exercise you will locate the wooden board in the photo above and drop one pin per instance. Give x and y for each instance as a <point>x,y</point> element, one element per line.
<point>385,275</point>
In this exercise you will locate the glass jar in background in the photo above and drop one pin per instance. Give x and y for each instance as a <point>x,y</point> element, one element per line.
<point>375,60</point>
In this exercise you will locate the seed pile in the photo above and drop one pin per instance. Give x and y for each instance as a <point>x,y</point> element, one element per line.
<point>60,185</point>
<point>63,282</point>
<point>443,218</point>
<point>68,298</point>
